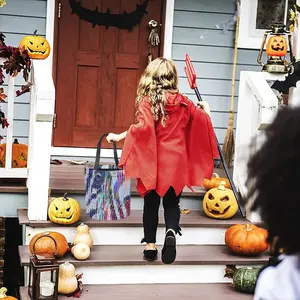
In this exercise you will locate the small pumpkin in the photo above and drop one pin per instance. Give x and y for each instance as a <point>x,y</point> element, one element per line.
<point>246,239</point>
<point>81,251</point>
<point>3,295</point>
<point>83,235</point>
<point>19,155</point>
<point>276,46</point>
<point>64,210</point>
<point>215,182</point>
<point>37,46</point>
<point>67,280</point>
<point>45,246</point>
<point>244,279</point>
<point>220,203</point>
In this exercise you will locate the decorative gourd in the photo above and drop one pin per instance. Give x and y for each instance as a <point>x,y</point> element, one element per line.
<point>244,279</point>
<point>3,295</point>
<point>215,182</point>
<point>45,246</point>
<point>19,155</point>
<point>276,46</point>
<point>246,239</point>
<point>37,46</point>
<point>81,251</point>
<point>67,280</point>
<point>83,235</point>
<point>220,203</point>
<point>64,210</point>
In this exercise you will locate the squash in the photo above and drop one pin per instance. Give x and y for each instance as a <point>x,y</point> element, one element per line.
<point>37,46</point>
<point>67,280</point>
<point>83,235</point>
<point>45,246</point>
<point>246,239</point>
<point>19,155</point>
<point>220,203</point>
<point>244,279</point>
<point>64,210</point>
<point>81,251</point>
<point>276,46</point>
<point>3,295</point>
<point>215,182</point>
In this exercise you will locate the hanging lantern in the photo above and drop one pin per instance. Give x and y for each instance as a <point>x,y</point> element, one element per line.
<point>276,49</point>
<point>43,275</point>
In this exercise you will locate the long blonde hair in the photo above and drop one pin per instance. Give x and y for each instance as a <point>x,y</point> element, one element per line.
<point>159,77</point>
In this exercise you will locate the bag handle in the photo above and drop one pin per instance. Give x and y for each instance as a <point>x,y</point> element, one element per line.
<point>98,154</point>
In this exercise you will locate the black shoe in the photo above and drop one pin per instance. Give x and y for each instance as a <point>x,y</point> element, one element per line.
<point>169,249</point>
<point>150,255</point>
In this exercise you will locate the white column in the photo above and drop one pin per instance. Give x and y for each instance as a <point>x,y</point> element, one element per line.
<point>169,20</point>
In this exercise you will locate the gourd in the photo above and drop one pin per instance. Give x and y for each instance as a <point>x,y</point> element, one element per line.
<point>45,246</point>
<point>220,203</point>
<point>3,295</point>
<point>276,46</point>
<point>67,281</point>
<point>64,210</point>
<point>19,155</point>
<point>215,182</point>
<point>81,251</point>
<point>244,279</point>
<point>83,235</point>
<point>246,239</point>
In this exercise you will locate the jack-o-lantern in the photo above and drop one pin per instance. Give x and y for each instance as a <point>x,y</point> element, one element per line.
<point>64,210</point>
<point>19,155</point>
<point>220,203</point>
<point>37,46</point>
<point>276,46</point>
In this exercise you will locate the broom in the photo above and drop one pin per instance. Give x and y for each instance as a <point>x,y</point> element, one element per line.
<point>228,146</point>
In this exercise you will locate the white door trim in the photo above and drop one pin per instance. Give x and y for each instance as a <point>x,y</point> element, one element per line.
<point>167,53</point>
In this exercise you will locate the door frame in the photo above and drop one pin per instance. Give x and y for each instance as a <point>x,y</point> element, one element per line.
<point>52,37</point>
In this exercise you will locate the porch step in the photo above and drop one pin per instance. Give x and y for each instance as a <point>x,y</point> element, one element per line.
<point>156,291</point>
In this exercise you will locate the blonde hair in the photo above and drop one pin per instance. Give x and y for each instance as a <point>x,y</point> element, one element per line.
<point>159,77</point>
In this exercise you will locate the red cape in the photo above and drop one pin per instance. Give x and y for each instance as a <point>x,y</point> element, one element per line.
<point>180,154</point>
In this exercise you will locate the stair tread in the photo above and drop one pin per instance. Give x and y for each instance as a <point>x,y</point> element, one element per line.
<point>194,291</point>
<point>132,255</point>
<point>193,219</point>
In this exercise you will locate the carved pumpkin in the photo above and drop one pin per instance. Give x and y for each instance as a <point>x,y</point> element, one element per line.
<point>19,155</point>
<point>276,46</point>
<point>246,239</point>
<point>215,182</point>
<point>220,203</point>
<point>37,46</point>
<point>64,210</point>
<point>45,246</point>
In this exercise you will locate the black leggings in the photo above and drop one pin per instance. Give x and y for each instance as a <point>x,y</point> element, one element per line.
<point>150,216</point>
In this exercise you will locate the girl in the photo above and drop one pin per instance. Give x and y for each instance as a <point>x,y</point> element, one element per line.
<point>274,177</point>
<point>172,145</point>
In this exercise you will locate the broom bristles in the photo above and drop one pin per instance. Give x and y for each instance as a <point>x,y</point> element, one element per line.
<point>228,146</point>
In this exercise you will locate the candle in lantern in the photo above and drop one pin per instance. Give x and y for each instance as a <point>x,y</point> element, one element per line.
<point>46,288</point>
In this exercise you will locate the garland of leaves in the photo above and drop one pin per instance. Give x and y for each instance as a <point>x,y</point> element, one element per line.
<point>294,14</point>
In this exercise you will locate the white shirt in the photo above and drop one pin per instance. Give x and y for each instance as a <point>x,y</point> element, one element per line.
<point>281,282</point>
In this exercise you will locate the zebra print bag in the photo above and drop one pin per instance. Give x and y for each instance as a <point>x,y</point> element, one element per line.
<point>107,193</point>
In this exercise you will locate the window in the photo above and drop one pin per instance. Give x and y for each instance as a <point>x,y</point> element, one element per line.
<point>256,16</point>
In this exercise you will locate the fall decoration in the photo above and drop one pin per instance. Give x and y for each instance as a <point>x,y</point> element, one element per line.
<point>67,280</point>
<point>215,182</point>
<point>37,46</point>
<point>185,211</point>
<point>64,210</point>
<point>276,46</point>
<point>294,15</point>
<point>2,3</point>
<point>83,235</point>
<point>81,251</point>
<point>3,295</point>
<point>220,203</point>
<point>3,96</point>
<point>45,245</point>
<point>244,279</point>
<point>246,239</point>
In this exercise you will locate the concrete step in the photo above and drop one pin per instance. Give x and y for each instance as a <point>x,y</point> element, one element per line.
<point>156,291</point>
<point>125,265</point>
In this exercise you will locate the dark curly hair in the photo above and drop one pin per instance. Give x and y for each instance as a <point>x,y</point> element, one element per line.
<point>274,180</point>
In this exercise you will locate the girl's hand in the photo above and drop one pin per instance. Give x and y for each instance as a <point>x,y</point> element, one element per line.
<point>204,105</point>
<point>112,137</point>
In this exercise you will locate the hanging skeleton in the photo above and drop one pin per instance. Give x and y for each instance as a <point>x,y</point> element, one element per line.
<point>153,39</point>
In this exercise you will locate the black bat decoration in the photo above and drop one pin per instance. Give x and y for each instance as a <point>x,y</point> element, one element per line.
<point>290,80</point>
<point>121,21</point>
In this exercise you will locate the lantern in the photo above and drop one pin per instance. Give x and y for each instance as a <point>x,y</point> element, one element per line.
<point>276,49</point>
<point>43,275</point>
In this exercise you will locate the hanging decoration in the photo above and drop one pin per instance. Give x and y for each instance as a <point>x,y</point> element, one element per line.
<point>124,20</point>
<point>294,15</point>
<point>153,39</point>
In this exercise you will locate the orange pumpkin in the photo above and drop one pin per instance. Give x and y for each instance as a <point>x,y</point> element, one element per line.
<point>45,246</point>
<point>276,46</point>
<point>19,155</point>
<point>246,239</point>
<point>3,295</point>
<point>214,182</point>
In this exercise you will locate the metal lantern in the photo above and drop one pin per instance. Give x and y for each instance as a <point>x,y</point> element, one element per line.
<point>43,275</point>
<point>276,49</point>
